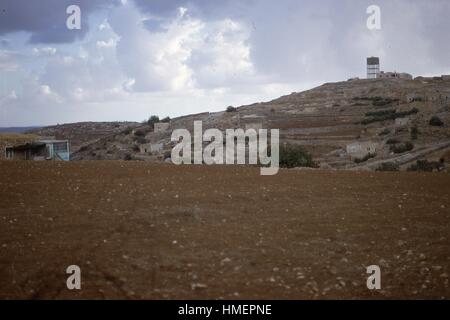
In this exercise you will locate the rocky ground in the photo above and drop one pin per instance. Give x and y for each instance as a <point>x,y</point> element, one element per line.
<point>324,121</point>
<point>140,230</point>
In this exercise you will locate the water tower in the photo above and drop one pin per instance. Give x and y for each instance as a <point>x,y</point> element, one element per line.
<point>373,67</point>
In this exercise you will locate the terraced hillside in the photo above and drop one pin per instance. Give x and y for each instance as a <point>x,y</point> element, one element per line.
<point>387,113</point>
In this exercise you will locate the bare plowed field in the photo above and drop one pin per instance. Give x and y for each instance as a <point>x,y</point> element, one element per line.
<point>145,231</point>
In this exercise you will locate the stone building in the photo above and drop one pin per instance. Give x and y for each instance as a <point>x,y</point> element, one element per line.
<point>145,148</point>
<point>156,148</point>
<point>161,126</point>
<point>394,75</point>
<point>361,149</point>
<point>401,122</point>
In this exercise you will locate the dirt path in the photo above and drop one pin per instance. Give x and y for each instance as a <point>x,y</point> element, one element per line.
<point>139,230</point>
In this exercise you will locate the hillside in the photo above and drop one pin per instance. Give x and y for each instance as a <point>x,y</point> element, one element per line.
<point>325,120</point>
<point>82,133</point>
<point>17,129</point>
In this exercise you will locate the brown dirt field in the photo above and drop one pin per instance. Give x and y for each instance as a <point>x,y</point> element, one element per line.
<point>147,231</point>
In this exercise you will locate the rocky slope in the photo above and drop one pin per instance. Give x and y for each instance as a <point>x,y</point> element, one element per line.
<point>325,120</point>
<point>82,133</point>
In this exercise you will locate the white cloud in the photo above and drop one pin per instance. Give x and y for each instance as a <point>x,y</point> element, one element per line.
<point>111,43</point>
<point>46,51</point>
<point>132,64</point>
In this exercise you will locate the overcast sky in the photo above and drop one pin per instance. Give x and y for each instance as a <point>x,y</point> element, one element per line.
<point>134,58</point>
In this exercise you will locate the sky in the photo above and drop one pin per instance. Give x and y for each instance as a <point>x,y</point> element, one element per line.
<point>133,58</point>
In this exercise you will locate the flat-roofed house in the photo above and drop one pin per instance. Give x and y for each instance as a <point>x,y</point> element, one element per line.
<point>39,150</point>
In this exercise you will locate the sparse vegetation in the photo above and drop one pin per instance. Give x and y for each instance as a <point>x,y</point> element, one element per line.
<point>425,165</point>
<point>127,157</point>
<point>292,156</point>
<point>231,109</point>
<point>385,115</point>
<point>139,133</point>
<point>435,121</point>
<point>166,119</point>
<point>388,166</point>
<point>383,102</point>
<point>141,140</point>
<point>377,101</point>
<point>152,120</point>
<point>136,148</point>
<point>414,133</point>
<point>402,147</point>
<point>380,113</point>
<point>385,132</point>
<point>127,130</point>
<point>392,141</point>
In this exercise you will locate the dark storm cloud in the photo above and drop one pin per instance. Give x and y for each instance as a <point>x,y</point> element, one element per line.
<point>46,20</point>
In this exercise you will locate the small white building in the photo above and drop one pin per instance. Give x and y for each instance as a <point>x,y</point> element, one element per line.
<point>161,126</point>
<point>156,148</point>
<point>361,149</point>
<point>401,122</point>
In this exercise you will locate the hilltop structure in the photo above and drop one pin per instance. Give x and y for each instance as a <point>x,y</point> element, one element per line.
<point>373,67</point>
<point>374,72</point>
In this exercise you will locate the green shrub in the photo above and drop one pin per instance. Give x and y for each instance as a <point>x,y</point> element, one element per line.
<point>152,120</point>
<point>127,130</point>
<point>388,166</point>
<point>424,165</point>
<point>401,148</point>
<point>436,121</point>
<point>392,141</point>
<point>141,140</point>
<point>127,157</point>
<point>139,133</point>
<point>389,116</point>
<point>292,156</point>
<point>414,133</point>
<point>380,113</point>
<point>231,109</point>
<point>166,119</point>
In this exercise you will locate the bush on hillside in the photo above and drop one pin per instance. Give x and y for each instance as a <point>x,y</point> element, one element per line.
<point>292,156</point>
<point>402,147</point>
<point>436,122</point>
<point>388,166</point>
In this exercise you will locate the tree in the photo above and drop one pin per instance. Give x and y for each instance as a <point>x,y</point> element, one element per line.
<point>436,121</point>
<point>292,156</point>
<point>152,120</point>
